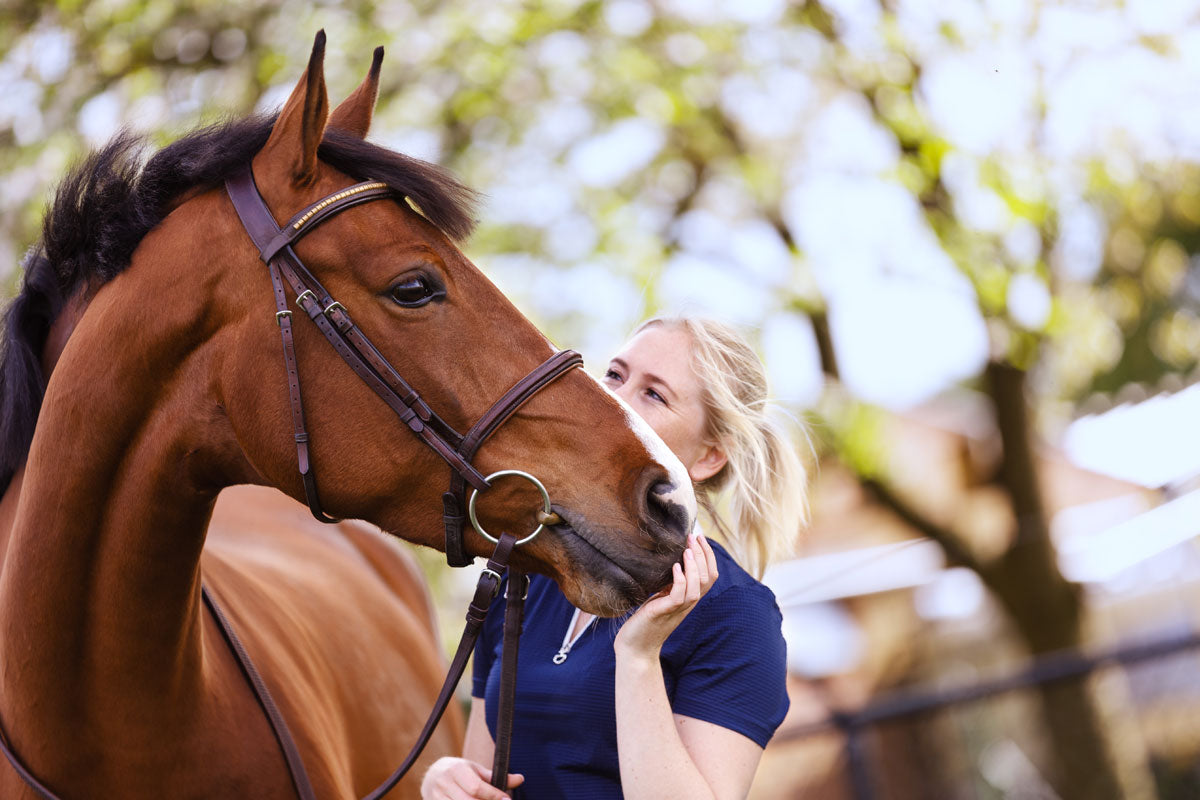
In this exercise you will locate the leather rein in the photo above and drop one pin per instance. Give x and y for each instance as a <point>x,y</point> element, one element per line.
<point>457,450</point>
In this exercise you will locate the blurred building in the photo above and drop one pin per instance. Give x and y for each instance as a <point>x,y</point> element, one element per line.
<point>871,608</point>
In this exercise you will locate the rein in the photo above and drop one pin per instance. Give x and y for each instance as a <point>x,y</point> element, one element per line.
<point>457,450</point>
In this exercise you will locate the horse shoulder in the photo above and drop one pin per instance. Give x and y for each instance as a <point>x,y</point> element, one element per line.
<point>339,621</point>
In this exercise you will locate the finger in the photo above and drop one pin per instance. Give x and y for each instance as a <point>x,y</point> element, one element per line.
<point>452,791</point>
<point>482,790</point>
<point>692,577</point>
<point>480,787</point>
<point>679,584</point>
<point>489,792</point>
<point>697,551</point>
<point>710,558</point>
<point>515,780</point>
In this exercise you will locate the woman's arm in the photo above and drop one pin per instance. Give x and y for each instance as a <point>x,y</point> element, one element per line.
<point>665,755</point>
<point>477,744</point>
<point>466,778</point>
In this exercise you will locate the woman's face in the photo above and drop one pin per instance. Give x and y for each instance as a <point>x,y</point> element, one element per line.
<point>653,374</point>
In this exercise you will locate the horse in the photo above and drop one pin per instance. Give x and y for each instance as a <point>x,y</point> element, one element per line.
<point>141,376</point>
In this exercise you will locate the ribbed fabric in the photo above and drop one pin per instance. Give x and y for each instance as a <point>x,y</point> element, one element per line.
<point>724,664</point>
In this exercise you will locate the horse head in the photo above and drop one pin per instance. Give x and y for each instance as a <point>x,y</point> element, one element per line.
<point>625,501</point>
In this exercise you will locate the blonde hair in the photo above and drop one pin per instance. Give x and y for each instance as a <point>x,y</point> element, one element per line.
<point>762,486</point>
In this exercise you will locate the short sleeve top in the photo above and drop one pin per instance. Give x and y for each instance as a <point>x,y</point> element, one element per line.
<point>724,664</point>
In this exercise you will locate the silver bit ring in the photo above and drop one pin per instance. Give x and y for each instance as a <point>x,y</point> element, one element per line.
<point>545,511</point>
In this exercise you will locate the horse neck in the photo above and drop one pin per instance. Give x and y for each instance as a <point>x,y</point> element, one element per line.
<point>99,593</point>
<point>60,331</point>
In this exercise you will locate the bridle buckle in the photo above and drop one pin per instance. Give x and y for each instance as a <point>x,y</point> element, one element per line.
<point>524,589</point>
<point>495,580</point>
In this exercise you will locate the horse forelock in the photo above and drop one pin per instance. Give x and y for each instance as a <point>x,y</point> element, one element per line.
<point>106,205</point>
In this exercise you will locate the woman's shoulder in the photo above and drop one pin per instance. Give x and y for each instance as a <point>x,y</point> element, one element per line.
<point>727,661</point>
<point>735,585</point>
<point>737,606</point>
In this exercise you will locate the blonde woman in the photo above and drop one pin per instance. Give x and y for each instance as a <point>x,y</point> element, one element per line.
<point>678,700</point>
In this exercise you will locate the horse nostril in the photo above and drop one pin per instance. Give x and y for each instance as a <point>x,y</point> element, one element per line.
<point>665,512</point>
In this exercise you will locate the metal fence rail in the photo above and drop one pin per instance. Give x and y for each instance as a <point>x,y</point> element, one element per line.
<point>1047,669</point>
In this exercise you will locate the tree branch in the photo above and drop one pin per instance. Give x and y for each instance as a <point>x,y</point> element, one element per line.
<point>958,552</point>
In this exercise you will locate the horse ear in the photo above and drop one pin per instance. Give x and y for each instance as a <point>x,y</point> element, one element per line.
<point>301,124</point>
<point>354,113</point>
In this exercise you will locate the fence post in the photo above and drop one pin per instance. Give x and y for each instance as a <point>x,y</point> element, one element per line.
<point>856,756</point>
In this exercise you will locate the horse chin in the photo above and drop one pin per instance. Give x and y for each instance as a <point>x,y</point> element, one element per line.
<point>604,584</point>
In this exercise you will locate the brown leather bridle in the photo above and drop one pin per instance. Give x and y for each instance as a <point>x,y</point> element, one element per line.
<point>333,320</point>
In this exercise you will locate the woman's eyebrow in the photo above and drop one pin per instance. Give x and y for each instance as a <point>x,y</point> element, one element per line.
<point>661,383</point>
<point>649,376</point>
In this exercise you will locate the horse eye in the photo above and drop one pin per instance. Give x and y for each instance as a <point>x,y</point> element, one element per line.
<point>414,292</point>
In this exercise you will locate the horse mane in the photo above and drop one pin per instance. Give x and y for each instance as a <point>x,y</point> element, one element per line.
<point>107,204</point>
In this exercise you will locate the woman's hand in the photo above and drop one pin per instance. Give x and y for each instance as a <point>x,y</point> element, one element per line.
<point>643,634</point>
<point>460,779</point>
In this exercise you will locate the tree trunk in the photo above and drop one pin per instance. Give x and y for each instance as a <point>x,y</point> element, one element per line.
<point>1048,614</point>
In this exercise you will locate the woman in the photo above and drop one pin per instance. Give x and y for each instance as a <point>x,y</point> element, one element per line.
<point>698,672</point>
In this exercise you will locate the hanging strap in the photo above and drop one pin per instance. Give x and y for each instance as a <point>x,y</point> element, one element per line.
<point>32,782</point>
<point>279,726</point>
<point>514,613</point>
<point>485,592</point>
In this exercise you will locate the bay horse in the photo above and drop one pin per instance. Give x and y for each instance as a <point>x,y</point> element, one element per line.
<point>141,376</point>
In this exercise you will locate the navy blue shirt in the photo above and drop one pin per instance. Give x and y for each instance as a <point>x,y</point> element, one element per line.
<point>724,664</point>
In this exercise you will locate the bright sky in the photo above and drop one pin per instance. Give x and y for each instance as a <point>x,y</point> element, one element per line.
<point>904,318</point>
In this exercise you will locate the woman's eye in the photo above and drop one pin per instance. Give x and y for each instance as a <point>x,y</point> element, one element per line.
<point>413,292</point>
<point>655,396</point>
<point>612,375</point>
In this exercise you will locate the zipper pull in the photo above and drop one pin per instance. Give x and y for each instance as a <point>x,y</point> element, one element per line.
<point>568,640</point>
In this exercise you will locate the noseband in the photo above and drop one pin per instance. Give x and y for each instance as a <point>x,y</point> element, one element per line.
<point>333,320</point>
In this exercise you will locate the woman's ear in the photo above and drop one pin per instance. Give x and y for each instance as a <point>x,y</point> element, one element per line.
<point>710,463</point>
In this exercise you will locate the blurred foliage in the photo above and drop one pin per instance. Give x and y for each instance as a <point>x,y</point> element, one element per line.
<point>1149,285</point>
<point>712,105</point>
